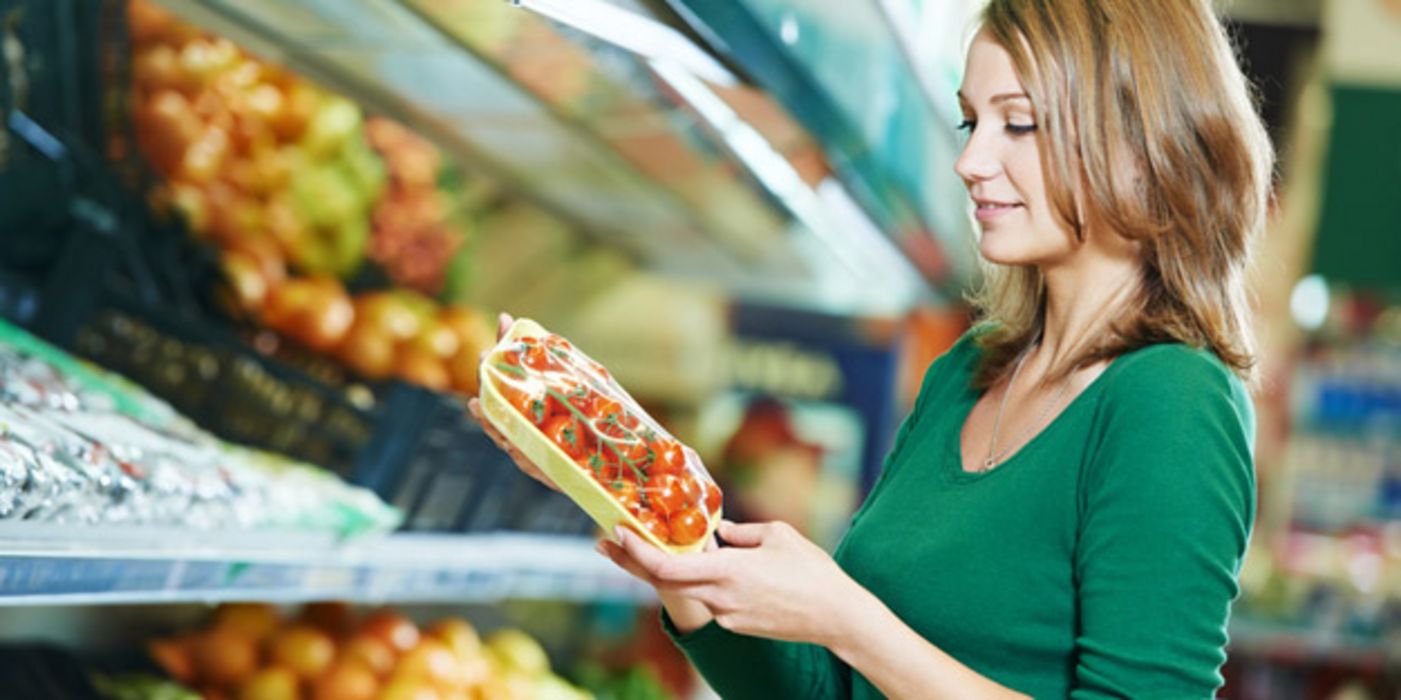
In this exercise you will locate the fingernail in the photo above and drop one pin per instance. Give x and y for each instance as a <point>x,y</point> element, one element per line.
<point>598,547</point>
<point>618,534</point>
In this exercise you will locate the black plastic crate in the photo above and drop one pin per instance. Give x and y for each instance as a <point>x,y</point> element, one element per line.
<point>63,71</point>
<point>42,672</point>
<point>446,475</point>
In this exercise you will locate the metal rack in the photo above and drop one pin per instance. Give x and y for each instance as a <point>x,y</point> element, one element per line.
<point>47,564</point>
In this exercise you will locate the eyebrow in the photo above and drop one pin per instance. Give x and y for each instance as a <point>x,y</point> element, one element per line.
<point>999,97</point>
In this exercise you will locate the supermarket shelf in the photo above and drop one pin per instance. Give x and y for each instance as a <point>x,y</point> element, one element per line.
<point>47,564</point>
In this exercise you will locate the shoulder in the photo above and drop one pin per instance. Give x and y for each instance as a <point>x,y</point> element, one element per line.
<point>1173,435</point>
<point>1169,411</point>
<point>968,349</point>
<point>1172,377</point>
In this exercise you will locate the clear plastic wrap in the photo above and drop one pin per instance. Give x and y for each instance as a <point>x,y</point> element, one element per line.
<point>567,414</point>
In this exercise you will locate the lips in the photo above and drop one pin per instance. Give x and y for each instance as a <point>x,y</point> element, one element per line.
<point>990,209</point>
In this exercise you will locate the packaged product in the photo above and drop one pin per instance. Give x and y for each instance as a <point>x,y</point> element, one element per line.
<point>567,414</point>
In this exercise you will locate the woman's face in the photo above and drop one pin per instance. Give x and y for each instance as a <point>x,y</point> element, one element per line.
<point>1001,166</point>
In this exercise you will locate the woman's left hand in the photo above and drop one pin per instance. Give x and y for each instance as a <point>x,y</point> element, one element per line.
<point>769,582</point>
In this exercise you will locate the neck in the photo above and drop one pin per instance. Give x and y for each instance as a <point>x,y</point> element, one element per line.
<point>1078,302</point>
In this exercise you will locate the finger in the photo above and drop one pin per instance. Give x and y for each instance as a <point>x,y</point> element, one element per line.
<point>670,568</point>
<point>708,594</point>
<point>496,436</point>
<point>499,439</point>
<point>620,557</point>
<point>692,457</point>
<point>705,593</point>
<point>539,476</point>
<point>503,325</point>
<point>747,535</point>
<point>474,407</point>
<point>521,461</point>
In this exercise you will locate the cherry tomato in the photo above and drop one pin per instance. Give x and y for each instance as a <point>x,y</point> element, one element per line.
<point>687,526</point>
<point>629,421</point>
<point>538,358</point>
<point>592,461</point>
<point>640,454</point>
<point>670,457</point>
<point>600,371</point>
<point>611,453</point>
<point>668,493</point>
<point>511,356</point>
<point>655,524</point>
<point>626,493</point>
<point>530,405</point>
<point>713,498</point>
<point>556,342</point>
<point>609,425</point>
<point>564,430</point>
<point>603,407</point>
<point>573,391</point>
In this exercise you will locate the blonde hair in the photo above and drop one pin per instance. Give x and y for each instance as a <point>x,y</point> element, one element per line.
<point>1147,125</point>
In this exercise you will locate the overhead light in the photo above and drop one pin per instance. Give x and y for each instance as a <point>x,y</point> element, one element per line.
<point>788,28</point>
<point>641,35</point>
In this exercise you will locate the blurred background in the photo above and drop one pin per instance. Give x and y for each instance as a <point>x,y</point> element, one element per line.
<point>250,251</point>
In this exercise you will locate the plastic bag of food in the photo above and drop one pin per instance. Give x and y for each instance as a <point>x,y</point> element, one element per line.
<point>566,413</point>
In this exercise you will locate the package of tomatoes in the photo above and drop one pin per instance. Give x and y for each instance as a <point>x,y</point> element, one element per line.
<point>567,414</point>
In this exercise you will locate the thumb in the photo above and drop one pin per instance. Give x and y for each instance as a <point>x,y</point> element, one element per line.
<point>746,535</point>
<point>503,324</point>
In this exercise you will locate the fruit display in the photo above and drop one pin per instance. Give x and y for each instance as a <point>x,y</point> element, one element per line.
<point>413,238</point>
<point>258,160</point>
<point>249,651</point>
<point>566,413</point>
<point>80,446</point>
<point>297,189</point>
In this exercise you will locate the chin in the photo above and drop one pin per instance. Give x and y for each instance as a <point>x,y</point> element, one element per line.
<point>1003,252</point>
<point>1021,248</point>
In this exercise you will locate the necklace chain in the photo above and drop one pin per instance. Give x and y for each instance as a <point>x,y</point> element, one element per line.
<point>994,458</point>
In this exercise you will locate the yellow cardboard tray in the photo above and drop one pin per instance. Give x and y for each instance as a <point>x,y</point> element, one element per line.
<point>568,476</point>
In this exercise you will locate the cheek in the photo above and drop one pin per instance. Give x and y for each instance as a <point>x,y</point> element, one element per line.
<point>1024,169</point>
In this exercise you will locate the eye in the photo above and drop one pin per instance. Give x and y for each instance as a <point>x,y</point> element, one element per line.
<point>966,125</point>
<point>1020,129</point>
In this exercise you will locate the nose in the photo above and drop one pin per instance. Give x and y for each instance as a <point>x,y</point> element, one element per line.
<point>978,162</point>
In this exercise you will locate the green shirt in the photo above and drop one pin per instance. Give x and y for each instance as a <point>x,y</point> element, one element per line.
<point>1100,560</point>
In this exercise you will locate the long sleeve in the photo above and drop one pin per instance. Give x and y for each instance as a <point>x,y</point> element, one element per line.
<point>1167,501</point>
<point>739,666</point>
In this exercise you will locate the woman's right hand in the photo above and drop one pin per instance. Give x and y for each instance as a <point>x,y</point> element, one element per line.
<point>503,326</point>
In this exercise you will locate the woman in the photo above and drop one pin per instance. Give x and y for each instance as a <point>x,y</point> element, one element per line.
<point>1065,510</point>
